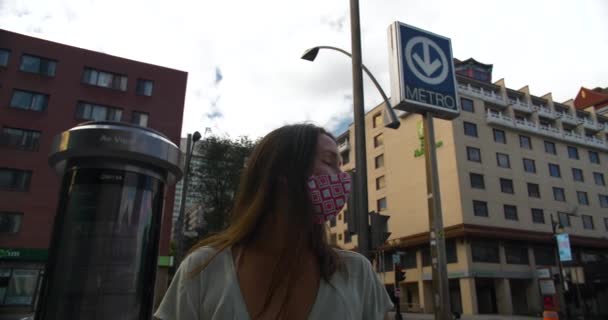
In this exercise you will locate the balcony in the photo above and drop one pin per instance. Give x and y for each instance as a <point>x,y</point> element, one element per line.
<point>486,95</point>
<point>548,131</point>
<point>545,112</point>
<point>344,146</point>
<point>570,119</point>
<point>592,125</point>
<point>520,105</point>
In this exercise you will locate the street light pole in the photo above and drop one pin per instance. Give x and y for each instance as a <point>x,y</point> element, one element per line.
<point>179,230</point>
<point>361,201</point>
<point>562,297</point>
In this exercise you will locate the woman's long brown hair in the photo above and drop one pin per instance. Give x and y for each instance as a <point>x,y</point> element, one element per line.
<point>282,159</point>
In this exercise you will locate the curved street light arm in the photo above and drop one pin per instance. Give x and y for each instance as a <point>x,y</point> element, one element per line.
<point>390,117</point>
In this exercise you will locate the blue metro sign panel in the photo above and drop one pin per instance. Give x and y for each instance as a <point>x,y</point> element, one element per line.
<point>422,72</point>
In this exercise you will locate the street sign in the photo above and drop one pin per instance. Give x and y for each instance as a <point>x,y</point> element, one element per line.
<point>422,72</point>
<point>543,273</point>
<point>563,243</point>
<point>397,292</point>
<point>396,258</point>
<point>547,286</point>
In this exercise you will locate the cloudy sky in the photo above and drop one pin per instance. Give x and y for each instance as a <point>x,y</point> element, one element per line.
<point>243,57</point>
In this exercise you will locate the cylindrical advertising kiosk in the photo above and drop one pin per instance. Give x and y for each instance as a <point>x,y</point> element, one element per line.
<point>104,248</point>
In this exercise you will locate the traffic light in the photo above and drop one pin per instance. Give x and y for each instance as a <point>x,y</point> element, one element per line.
<point>399,274</point>
<point>379,229</point>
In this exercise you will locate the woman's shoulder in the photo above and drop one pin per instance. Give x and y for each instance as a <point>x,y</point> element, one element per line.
<point>354,261</point>
<point>202,256</point>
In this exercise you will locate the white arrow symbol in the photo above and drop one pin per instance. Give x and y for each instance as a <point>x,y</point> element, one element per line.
<point>427,66</point>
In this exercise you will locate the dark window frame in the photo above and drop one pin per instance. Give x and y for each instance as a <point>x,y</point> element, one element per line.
<point>561,192</point>
<point>526,162</point>
<point>140,87</point>
<point>577,175</point>
<point>506,185</point>
<point>588,223</point>
<point>468,126</point>
<point>3,222</point>
<point>498,156</point>
<point>553,148</point>
<point>523,145</point>
<point>558,172</point>
<point>44,65</point>
<point>32,142</point>
<point>538,215</point>
<point>32,99</point>
<point>110,110</point>
<point>118,82</point>
<point>471,151</point>
<point>18,186</point>
<point>510,212</point>
<point>582,195</point>
<point>377,164</point>
<point>598,178</point>
<point>466,106</point>
<point>477,180</point>
<point>594,157</point>
<point>481,251</point>
<point>483,206</point>
<point>533,190</point>
<point>501,134</point>
<point>573,152</point>
<point>516,254</point>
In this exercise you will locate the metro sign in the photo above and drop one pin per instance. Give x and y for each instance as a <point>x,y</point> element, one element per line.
<point>422,72</point>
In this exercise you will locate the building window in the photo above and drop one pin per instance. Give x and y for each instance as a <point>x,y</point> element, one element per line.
<point>467,105</point>
<point>450,251</point>
<point>408,260</point>
<point>473,154</point>
<point>544,256</point>
<point>380,183</point>
<point>340,237</point>
<point>588,222</point>
<point>529,165</point>
<point>480,208</point>
<point>104,79</point>
<point>533,190</point>
<point>582,198</point>
<point>10,222</point>
<point>599,179</point>
<point>89,111</point>
<point>345,157</point>
<point>525,142</point>
<point>20,138</point>
<point>594,157</point>
<point>333,239</point>
<point>550,147</point>
<point>144,87</point>
<point>15,179</point>
<point>572,153</point>
<point>18,286</point>
<point>502,160</point>
<point>500,136</point>
<point>28,100</point>
<point>381,204</point>
<point>4,54</point>
<point>377,120</point>
<point>425,252</point>
<point>485,251</point>
<point>470,129</point>
<point>477,181</point>
<point>39,65</point>
<point>559,194</point>
<point>347,236</point>
<point>140,118</point>
<point>603,200</point>
<point>564,219</point>
<point>506,185</point>
<point>332,222</point>
<point>510,212</point>
<point>577,175</point>
<point>516,254</point>
<point>379,161</point>
<point>554,170</point>
<point>378,141</point>
<point>538,216</point>
<point>606,223</point>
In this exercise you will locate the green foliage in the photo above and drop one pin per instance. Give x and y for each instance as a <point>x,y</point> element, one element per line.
<point>219,171</point>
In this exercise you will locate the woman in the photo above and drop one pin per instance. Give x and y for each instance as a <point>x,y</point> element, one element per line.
<point>273,261</point>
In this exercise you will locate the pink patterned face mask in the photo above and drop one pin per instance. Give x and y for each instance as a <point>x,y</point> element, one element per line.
<point>328,194</point>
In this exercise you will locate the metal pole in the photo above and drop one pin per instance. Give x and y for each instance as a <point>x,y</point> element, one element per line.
<point>179,230</point>
<point>396,268</point>
<point>562,286</point>
<point>441,290</point>
<point>359,121</point>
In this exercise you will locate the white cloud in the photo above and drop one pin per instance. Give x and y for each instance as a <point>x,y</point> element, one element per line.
<point>553,46</point>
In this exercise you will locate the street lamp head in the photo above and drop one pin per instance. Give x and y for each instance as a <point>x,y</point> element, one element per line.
<point>310,54</point>
<point>196,137</point>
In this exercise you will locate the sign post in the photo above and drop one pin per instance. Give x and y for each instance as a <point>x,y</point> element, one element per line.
<point>423,81</point>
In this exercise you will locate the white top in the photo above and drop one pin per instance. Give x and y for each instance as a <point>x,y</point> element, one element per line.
<point>214,294</point>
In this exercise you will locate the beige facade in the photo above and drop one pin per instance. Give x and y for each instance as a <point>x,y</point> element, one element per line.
<point>497,248</point>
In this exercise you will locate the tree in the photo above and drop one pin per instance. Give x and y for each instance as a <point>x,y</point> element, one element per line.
<point>221,163</point>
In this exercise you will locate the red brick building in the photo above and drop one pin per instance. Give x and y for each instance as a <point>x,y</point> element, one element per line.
<point>46,88</point>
